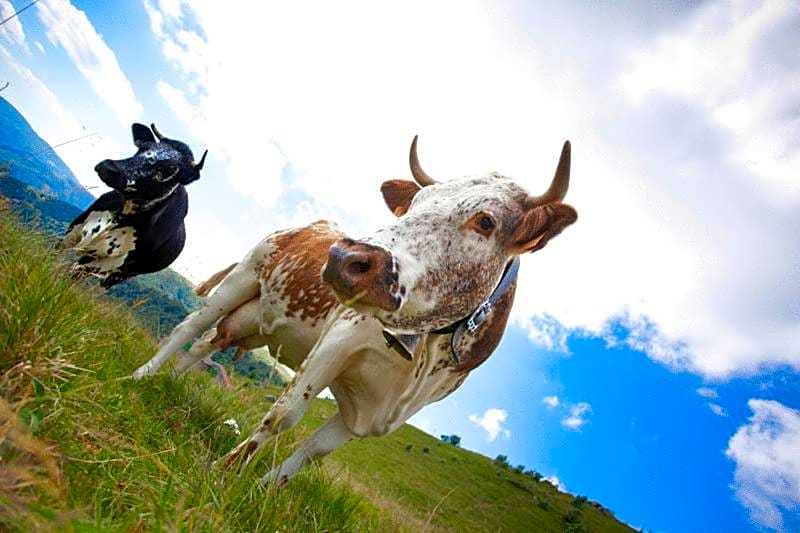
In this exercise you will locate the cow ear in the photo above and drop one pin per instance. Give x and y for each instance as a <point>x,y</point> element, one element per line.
<point>398,195</point>
<point>194,172</point>
<point>539,225</point>
<point>142,134</point>
<point>188,176</point>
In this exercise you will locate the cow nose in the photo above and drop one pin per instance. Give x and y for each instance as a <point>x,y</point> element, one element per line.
<point>362,273</point>
<point>346,270</point>
<point>111,175</point>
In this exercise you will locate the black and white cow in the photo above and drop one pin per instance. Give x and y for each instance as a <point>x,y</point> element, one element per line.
<point>136,228</point>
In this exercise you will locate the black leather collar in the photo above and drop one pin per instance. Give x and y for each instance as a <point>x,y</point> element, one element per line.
<point>406,345</point>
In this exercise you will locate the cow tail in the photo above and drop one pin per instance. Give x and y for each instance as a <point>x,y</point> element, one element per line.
<point>204,288</point>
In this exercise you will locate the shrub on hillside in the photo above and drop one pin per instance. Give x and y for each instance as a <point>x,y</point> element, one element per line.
<point>533,474</point>
<point>578,501</point>
<point>455,440</point>
<point>573,516</point>
<point>501,461</point>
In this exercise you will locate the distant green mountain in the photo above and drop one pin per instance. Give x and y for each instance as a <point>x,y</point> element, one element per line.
<point>34,162</point>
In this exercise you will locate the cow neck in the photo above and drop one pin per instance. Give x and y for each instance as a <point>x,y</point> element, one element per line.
<point>133,207</point>
<point>406,345</point>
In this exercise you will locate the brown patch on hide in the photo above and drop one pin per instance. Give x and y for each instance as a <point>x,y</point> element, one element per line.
<point>398,195</point>
<point>476,348</point>
<point>293,269</point>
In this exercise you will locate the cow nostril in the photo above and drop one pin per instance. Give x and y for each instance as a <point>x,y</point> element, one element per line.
<point>359,266</point>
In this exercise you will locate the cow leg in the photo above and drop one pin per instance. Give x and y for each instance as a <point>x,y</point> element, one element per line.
<point>240,286</point>
<point>326,439</point>
<point>322,366</point>
<point>232,330</point>
<point>198,351</point>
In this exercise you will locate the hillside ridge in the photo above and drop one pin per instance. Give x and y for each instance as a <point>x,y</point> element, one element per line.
<point>34,161</point>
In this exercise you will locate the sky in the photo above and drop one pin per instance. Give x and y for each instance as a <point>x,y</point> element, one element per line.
<point>653,358</point>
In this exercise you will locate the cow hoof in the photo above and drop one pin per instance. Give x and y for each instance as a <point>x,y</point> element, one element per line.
<point>141,372</point>
<point>274,479</point>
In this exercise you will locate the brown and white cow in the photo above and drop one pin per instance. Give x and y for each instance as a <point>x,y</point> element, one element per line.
<point>375,325</point>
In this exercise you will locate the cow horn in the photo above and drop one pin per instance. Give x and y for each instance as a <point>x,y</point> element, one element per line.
<point>416,169</point>
<point>158,133</point>
<point>558,188</point>
<point>199,166</point>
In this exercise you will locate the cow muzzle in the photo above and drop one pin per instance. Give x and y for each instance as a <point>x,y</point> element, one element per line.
<point>362,276</point>
<point>111,174</point>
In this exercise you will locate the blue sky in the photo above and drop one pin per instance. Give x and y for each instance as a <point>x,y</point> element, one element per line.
<point>652,360</point>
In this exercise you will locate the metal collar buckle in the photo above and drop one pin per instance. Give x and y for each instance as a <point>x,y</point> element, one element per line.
<point>479,316</point>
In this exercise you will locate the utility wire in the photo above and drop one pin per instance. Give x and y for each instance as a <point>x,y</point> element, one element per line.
<point>18,12</point>
<point>49,148</point>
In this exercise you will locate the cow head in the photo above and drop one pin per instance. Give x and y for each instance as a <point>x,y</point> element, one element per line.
<point>448,246</point>
<point>157,168</point>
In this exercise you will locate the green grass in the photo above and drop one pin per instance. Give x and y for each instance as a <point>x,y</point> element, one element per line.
<point>84,448</point>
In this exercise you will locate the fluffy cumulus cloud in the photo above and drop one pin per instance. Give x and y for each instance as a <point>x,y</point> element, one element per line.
<point>12,30</point>
<point>682,181</point>
<point>70,28</point>
<point>767,476</point>
<point>551,401</point>
<point>577,416</point>
<point>492,422</point>
<point>689,247</point>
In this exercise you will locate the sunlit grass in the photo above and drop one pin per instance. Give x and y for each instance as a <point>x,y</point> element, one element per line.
<point>83,447</point>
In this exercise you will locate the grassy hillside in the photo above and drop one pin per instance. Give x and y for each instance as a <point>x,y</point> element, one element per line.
<point>159,300</point>
<point>82,447</point>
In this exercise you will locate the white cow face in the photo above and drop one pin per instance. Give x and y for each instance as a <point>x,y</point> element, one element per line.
<point>446,251</point>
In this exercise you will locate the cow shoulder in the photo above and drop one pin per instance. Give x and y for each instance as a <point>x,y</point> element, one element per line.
<point>291,273</point>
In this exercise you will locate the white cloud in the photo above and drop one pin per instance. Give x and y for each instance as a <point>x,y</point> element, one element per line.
<point>717,409</point>
<point>551,401</point>
<point>12,30</point>
<point>687,245</point>
<point>553,480</point>
<point>492,422</point>
<point>706,392</point>
<point>715,62</point>
<point>70,28</point>
<point>677,241</point>
<point>577,416</point>
<point>767,455</point>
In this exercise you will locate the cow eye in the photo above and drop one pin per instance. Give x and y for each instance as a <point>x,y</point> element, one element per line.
<point>166,172</point>
<point>482,223</point>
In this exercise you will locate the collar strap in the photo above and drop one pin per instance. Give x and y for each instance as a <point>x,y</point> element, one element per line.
<point>406,345</point>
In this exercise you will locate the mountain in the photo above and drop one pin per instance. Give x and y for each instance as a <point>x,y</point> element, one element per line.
<point>34,162</point>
